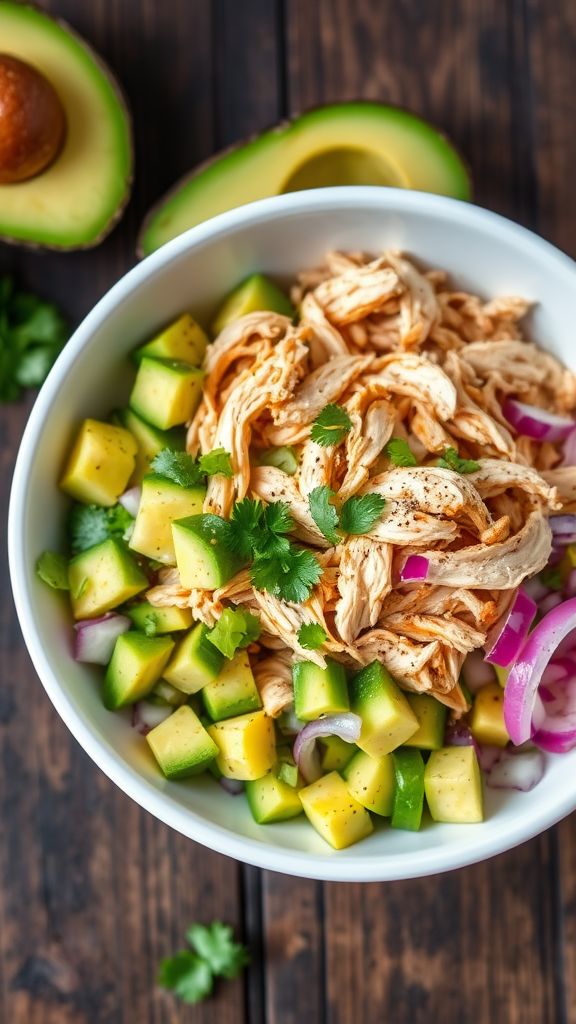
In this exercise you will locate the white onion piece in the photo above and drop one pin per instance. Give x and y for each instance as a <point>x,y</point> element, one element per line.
<point>520,771</point>
<point>130,500</point>
<point>146,716</point>
<point>347,726</point>
<point>95,638</point>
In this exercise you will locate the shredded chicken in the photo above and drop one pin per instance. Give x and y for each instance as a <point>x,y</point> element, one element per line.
<point>408,358</point>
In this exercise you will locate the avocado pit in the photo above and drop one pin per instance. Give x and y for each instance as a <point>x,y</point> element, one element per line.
<point>32,121</point>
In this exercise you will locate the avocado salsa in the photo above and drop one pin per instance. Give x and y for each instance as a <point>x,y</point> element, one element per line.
<point>205,622</point>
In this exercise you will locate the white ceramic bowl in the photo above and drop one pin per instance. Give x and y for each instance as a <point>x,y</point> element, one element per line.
<point>484,253</point>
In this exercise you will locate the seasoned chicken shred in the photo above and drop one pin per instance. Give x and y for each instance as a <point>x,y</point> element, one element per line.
<point>404,357</point>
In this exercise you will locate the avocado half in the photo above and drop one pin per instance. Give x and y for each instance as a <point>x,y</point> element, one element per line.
<point>76,201</point>
<point>359,143</point>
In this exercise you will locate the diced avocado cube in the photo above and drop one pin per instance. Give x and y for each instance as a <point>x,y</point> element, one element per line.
<point>100,464</point>
<point>150,441</point>
<point>335,753</point>
<point>256,293</point>
<point>334,812</point>
<point>166,392</point>
<point>408,801</point>
<point>501,675</point>
<point>102,578</point>
<point>284,458</point>
<point>246,746</point>
<point>164,693</point>
<point>183,340</point>
<point>370,780</point>
<point>233,692</point>
<point>137,663</point>
<point>431,715</point>
<point>162,502</point>
<point>195,661</point>
<point>487,718</point>
<point>271,799</point>
<point>203,560</point>
<point>453,784</point>
<point>153,620</point>
<point>319,691</point>
<point>181,745</point>
<point>387,718</point>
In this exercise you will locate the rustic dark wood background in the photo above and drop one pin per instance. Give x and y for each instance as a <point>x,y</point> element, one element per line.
<point>93,891</point>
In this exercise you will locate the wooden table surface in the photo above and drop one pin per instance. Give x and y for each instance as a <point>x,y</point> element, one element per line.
<point>94,891</point>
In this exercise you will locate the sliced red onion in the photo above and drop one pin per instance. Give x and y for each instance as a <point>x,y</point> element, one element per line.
<point>537,423</point>
<point>549,602</point>
<point>476,672</point>
<point>95,638</point>
<point>415,568</point>
<point>146,716</point>
<point>526,674</point>
<point>570,450</point>
<point>503,643</point>
<point>347,726</point>
<point>130,500</point>
<point>563,529</point>
<point>520,771</point>
<point>231,786</point>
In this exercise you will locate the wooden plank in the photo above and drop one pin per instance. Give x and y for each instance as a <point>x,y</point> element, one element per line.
<point>93,891</point>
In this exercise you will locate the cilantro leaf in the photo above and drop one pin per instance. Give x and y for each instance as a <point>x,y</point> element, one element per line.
<point>451,460</point>
<point>311,636</point>
<point>179,467</point>
<point>235,628</point>
<point>288,773</point>
<point>216,461</point>
<point>323,513</point>
<point>331,425</point>
<point>187,975</point>
<point>359,514</point>
<point>399,452</point>
<point>244,526</point>
<point>89,525</point>
<point>291,578</point>
<point>52,569</point>
<point>552,578</point>
<point>215,944</point>
<point>277,517</point>
<point>32,333</point>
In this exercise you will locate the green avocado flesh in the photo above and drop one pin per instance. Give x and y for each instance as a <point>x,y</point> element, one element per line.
<point>74,202</point>
<point>343,144</point>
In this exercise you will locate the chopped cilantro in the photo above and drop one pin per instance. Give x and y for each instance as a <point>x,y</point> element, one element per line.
<point>359,514</point>
<point>331,426</point>
<point>451,460</point>
<point>235,628</point>
<point>311,636</point>
<point>290,577</point>
<point>323,512</point>
<point>52,569</point>
<point>32,333</point>
<point>90,525</point>
<point>399,452</point>
<point>186,471</point>
<point>190,973</point>
<point>216,462</point>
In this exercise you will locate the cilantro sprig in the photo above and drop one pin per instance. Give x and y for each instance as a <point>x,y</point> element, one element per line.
<point>89,525</point>
<point>357,515</point>
<point>451,460</point>
<point>32,333</point>
<point>399,452</point>
<point>331,425</point>
<point>311,636</point>
<point>236,628</point>
<point>190,973</point>
<point>186,471</point>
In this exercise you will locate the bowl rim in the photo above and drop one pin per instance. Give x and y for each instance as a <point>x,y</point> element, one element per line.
<point>260,853</point>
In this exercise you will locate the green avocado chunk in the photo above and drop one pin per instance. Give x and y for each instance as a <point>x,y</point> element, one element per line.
<point>151,620</point>
<point>102,578</point>
<point>453,785</point>
<point>343,144</point>
<point>271,799</point>
<point>371,781</point>
<point>195,661</point>
<point>137,663</point>
<point>431,715</point>
<point>150,440</point>
<point>203,560</point>
<point>181,745</point>
<point>183,339</point>
<point>166,392</point>
<point>162,502</point>
<point>408,802</point>
<point>234,690</point>
<point>387,718</point>
<point>319,691</point>
<point>256,293</point>
<point>75,201</point>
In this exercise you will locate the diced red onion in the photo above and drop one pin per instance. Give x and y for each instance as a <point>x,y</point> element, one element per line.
<point>347,726</point>
<point>541,425</point>
<point>130,500</point>
<point>146,716</point>
<point>504,642</point>
<point>415,568</point>
<point>95,638</point>
<point>476,672</point>
<point>526,674</point>
<point>549,602</point>
<point>457,734</point>
<point>570,450</point>
<point>489,756</point>
<point>231,786</point>
<point>563,529</point>
<point>520,771</point>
